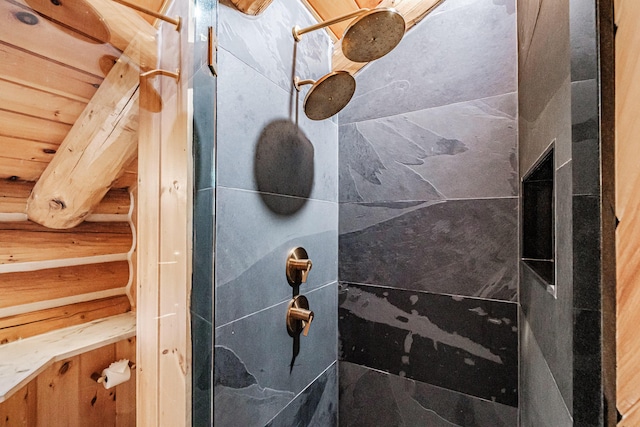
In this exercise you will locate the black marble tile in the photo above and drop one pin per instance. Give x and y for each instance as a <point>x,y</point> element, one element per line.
<point>373,398</point>
<point>202,370</point>
<point>541,404</point>
<point>587,401</point>
<point>204,98</point>
<point>316,406</point>
<point>464,344</point>
<point>585,137</point>
<point>260,369</point>
<point>586,252</point>
<point>551,320</point>
<point>461,247</point>
<point>202,284</point>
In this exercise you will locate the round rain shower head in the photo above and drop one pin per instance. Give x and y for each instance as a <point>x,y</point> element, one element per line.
<point>329,95</point>
<point>373,35</point>
<point>75,17</point>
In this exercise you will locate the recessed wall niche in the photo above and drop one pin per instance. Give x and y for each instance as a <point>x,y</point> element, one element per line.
<point>538,237</point>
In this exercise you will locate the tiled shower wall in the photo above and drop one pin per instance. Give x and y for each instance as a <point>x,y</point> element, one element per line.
<point>560,364</point>
<point>276,188</point>
<point>428,269</point>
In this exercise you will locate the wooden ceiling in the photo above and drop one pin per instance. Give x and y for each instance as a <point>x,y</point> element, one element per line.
<point>51,65</point>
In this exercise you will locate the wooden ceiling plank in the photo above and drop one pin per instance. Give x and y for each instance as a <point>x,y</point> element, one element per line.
<point>15,169</point>
<point>27,149</point>
<point>21,67</point>
<point>35,102</point>
<point>47,39</point>
<point>98,147</point>
<point>328,10</point>
<point>413,12</point>
<point>22,126</point>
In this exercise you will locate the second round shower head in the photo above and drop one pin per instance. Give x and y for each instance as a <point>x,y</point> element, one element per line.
<point>328,95</point>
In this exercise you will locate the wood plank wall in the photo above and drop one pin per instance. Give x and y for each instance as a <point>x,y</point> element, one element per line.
<point>627,16</point>
<point>51,279</point>
<point>64,395</point>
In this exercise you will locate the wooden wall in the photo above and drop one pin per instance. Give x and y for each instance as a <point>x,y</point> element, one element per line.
<point>51,279</point>
<point>65,395</point>
<point>627,16</point>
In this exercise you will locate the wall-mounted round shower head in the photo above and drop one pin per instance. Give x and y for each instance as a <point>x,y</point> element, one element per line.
<point>373,35</point>
<point>329,95</point>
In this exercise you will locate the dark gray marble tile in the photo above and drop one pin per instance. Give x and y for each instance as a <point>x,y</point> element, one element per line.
<point>202,285</point>
<point>461,247</point>
<point>464,344</point>
<point>253,243</point>
<point>552,322</point>
<point>551,317</point>
<point>202,370</point>
<point>279,153</point>
<point>586,252</point>
<point>204,98</point>
<point>587,402</point>
<point>373,398</point>
<point>585,137</point>
<point>415,156</point>
<point>544,88</point>
<point>316,406</point>
<point>265,42</point>
<point>441,62</point>
<point>256,375</point>
<point>541,404</point>
<point>584,49</point>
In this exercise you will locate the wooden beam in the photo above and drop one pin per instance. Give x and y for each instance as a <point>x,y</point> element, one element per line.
<point>251,7</point>
<point>14,195</point>
<point>29,242</point>
<point>52,283</point>
<point>413,12</point>
<point>26,325</point>
<point>101,143</point>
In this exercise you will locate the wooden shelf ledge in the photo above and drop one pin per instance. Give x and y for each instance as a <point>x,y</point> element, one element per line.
<point>21,361</point>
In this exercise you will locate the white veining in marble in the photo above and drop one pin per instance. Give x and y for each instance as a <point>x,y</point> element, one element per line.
<point>23,360</point>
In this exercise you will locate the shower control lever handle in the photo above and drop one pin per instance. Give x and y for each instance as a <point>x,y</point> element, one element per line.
<point>306,316</point>
<point>298,266</point>
<point>299,317</point>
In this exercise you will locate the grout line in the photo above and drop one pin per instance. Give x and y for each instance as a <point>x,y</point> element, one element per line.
<point>245,190</point>
<point>432,108</point>
<point>274,305</point>
<point>335,362</point>
<point>427,292</point>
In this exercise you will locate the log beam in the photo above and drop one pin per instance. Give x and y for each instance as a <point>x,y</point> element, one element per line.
<point>102,142</point>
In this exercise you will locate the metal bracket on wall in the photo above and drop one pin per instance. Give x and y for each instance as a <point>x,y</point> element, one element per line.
<point>213,46</point>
